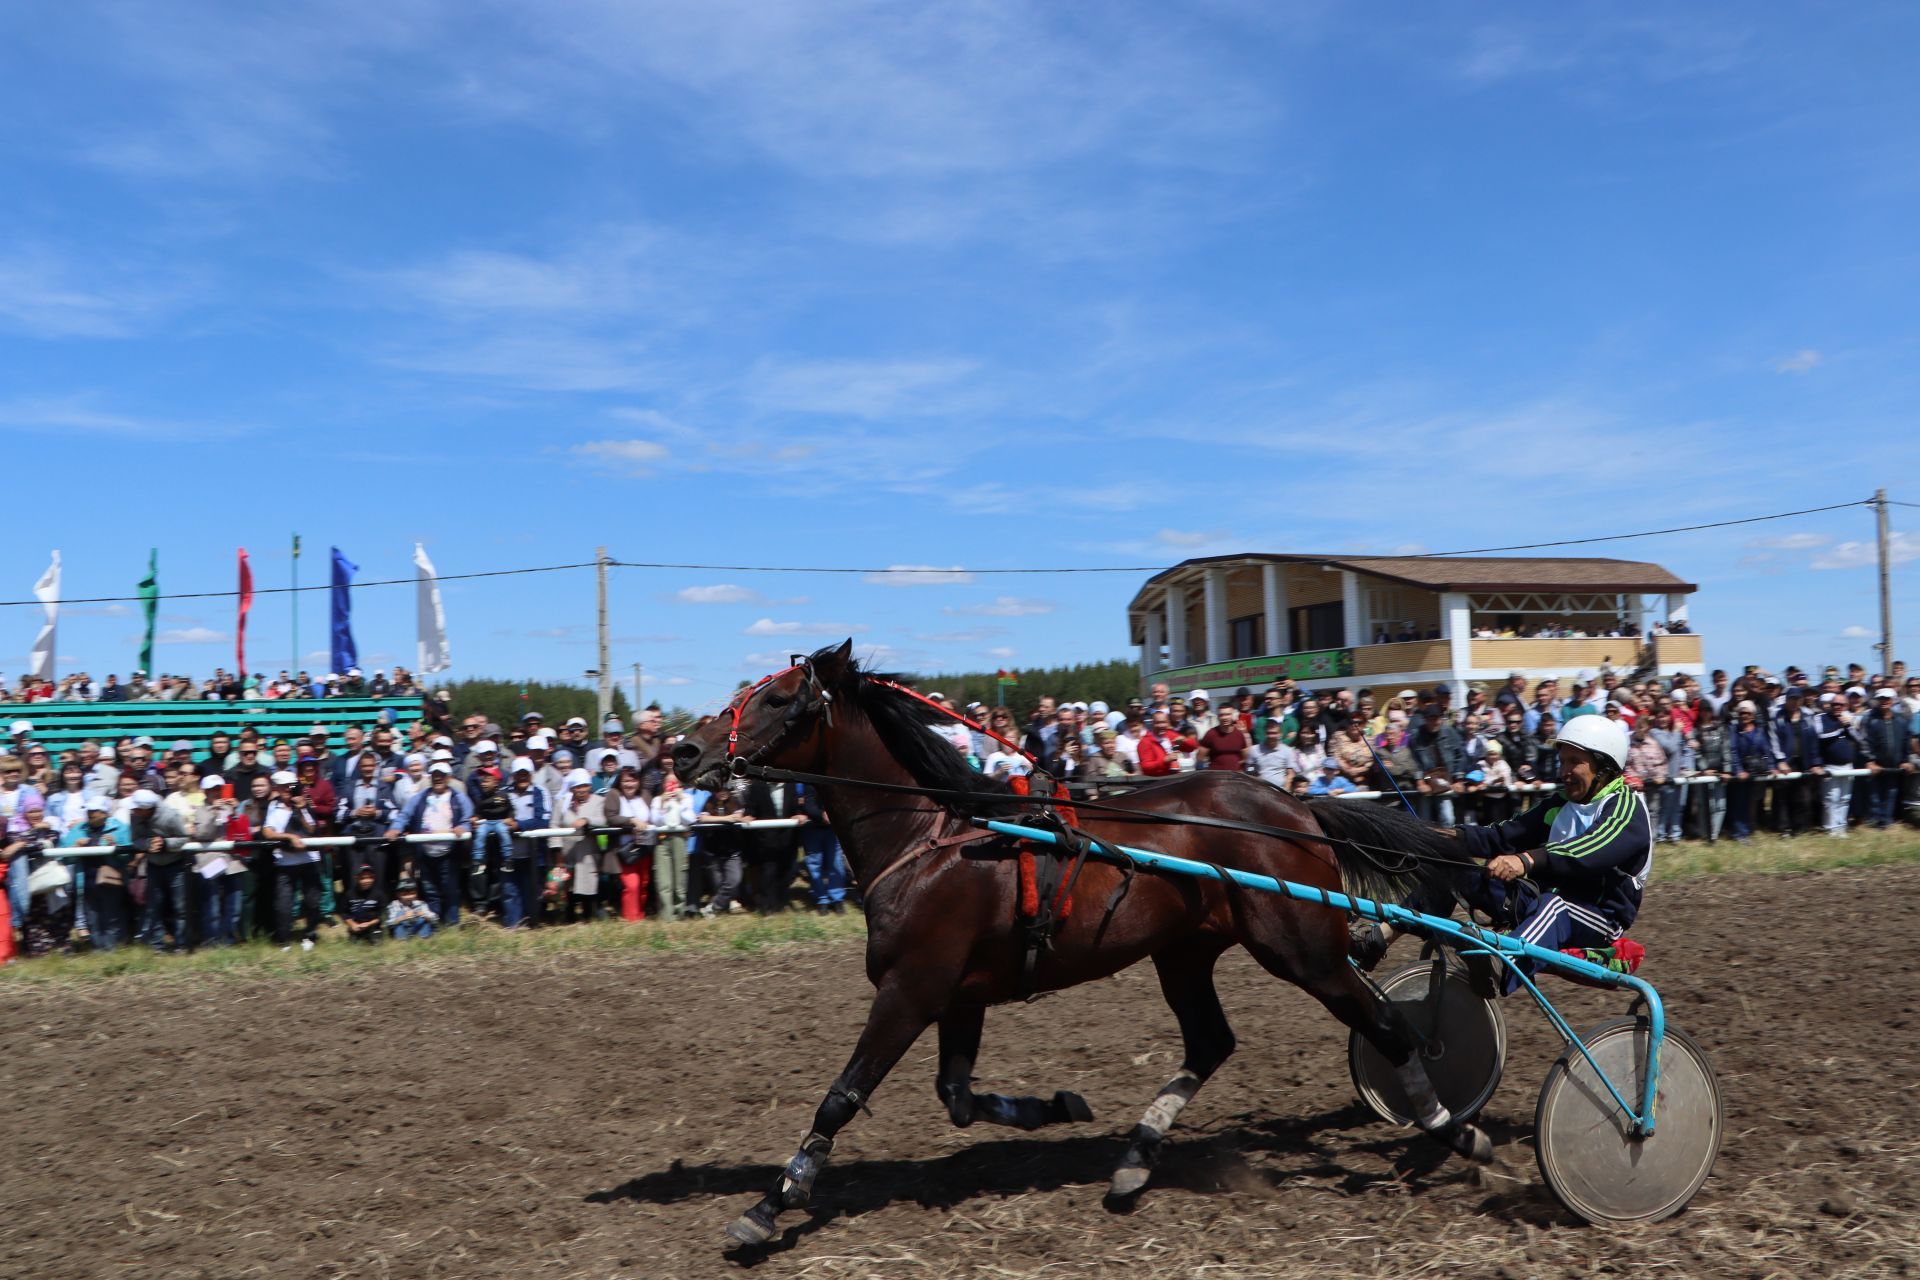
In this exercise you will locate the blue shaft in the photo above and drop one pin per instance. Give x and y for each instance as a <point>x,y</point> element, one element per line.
<point>1471,937</point>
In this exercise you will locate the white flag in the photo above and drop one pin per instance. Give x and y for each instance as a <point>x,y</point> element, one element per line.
<point>47,592</point>
<point>433,619</point>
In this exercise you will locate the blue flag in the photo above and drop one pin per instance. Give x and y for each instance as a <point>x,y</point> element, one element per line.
<point>344,655</point>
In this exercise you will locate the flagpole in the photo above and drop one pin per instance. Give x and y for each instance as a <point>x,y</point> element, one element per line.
<point>294,670</point>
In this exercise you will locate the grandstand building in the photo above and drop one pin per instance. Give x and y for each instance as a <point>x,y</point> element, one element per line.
<point>1221,622</point>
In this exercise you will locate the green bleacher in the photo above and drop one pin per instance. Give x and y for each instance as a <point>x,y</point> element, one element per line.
<point>59,725</point>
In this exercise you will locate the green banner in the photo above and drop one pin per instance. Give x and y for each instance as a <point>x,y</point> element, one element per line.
<point>150,601</point>
<point>1224,677</point>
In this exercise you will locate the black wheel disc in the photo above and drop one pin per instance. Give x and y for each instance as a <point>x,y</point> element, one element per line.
<point>1466,1051</point>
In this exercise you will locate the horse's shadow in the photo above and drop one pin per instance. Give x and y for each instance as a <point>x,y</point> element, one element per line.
<point>1312,1152</point>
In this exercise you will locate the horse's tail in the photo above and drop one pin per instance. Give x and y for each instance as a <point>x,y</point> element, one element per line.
<point>1404,859</point>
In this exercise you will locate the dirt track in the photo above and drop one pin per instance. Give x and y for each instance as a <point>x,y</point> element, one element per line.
<point>606,1117</point>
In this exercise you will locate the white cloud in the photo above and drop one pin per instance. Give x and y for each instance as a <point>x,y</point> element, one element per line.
<point>1000,607</point>
<point>1901,548</point>
<point>81,413</point>
<point>719,593</point>
<point>45,296</point>
<point>191,635</point>
<point>1804,360</point>
<point>1187,538</point>
<point>1791,541</point>
<point>918,575</point>
<point>1001,651</point>
<point>768,627</point>
<point>634,457</point>
<point>1855,633</point>
<point>860,388</point>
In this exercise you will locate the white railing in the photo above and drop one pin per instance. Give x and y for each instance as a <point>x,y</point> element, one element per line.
<point>423,837</point>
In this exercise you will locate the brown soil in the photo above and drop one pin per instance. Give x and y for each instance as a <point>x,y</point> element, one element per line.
<point>606,1116</point>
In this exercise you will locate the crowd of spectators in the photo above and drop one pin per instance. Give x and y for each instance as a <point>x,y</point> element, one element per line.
<point>387,832</point>
<point>398,832</point>
<point>222,686</point>
<point>1791,753</point>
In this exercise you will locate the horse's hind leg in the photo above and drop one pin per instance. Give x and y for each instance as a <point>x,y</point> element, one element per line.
<point>959,1046</point>
<point>1350,999</point>
<point>1186,980</point>
<point>894,1022</point>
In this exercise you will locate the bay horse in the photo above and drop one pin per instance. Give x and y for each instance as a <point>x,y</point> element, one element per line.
<point>944,943</point>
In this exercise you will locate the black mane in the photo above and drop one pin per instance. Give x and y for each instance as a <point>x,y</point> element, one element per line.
<point>906,726</point>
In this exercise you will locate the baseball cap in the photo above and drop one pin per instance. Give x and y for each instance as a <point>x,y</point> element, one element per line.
<point>532,715</point>
<point>19,727</point>
<point>538,742</point>
<point>485,747</point>
<point>1855,691</point>
<point>563,755</point>
<point>1098,708</point>
<point>281,778</point>
<point>1406,693</point>
<point>1883,693</point>
<point>936,697</point>
<point>440,766</point>
<point>1746,704</point>
<point>443,756</point>
<point>522,765</point>
<point>144,799</point>
<point>1829,697</point>
<point>99,804</point>
<point>319,731</point>
<point>572,721</point>
<point>108,753</point>
<point>1199,695</point>
<point>211,781</point>
<point>1443,691</point>
<point>579,778</point>
<point>612,725</point>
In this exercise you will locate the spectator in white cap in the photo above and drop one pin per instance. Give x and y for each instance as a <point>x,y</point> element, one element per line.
<point>1200,713</point>
<point>284,825</point>
<point>484,755</point>
<point>158,838</point>
<point>525,879</point>
<point>101,880</point>
<point>440,810</point>
<point>613,743</point>
<point>579,854</point>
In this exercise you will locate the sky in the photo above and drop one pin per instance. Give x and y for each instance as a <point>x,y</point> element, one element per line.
<point>964,286</point>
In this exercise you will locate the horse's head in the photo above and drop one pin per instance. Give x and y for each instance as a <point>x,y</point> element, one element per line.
<point>774,722</point>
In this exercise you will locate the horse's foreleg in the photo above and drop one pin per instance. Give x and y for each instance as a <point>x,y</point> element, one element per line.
<point>1186,980</point>
<point>894,1022</point>
<point>959,1047</point>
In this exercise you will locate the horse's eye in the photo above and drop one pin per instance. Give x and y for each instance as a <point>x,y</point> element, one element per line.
<point>778,699</point>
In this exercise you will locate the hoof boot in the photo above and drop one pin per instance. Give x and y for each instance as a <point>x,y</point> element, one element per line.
<point>750,1228</point>
<point>1071,1107</point>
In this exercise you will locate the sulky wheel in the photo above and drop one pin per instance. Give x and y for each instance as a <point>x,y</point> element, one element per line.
<point>1466,1046</point>
<point>1587,1149</point>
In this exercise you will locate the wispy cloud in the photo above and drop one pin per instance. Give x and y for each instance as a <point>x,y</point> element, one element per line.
<point>768,627</point>
<point>634,457</point>
<point>1000,607</point>
<point>1805,360</point>
<point>1901,548</point>
<point>918,575</point>
<point>863,388</point>
<point>1855,633</point>
<point>719,593</point>
<point>1791,541</point>
<point>191,635</point>
<point>46,295</point>
<point>82,413</point>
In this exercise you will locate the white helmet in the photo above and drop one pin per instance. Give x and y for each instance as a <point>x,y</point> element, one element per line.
<point>1599,735</point>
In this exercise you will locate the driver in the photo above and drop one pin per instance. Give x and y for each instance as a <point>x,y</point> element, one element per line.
<point>1568,872</point>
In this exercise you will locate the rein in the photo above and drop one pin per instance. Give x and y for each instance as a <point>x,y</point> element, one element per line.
<point>769,774</point>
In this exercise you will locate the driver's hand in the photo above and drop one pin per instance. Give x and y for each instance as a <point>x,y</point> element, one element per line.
<point>1507,867</point>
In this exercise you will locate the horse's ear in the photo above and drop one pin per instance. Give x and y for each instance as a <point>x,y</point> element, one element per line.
<point>831,664</point>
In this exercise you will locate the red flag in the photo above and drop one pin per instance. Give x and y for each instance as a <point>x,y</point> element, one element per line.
<point>246,603</point>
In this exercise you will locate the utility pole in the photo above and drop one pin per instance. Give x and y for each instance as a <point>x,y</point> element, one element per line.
<point>637,704</point>
<point>1886,596</point>
<point>605,672</point>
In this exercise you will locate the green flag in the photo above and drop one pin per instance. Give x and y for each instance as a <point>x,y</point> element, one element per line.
<point>150,601</point>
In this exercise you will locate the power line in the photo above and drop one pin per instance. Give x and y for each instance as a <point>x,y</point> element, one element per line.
<point>1651,533</point>
<point>899,571</point>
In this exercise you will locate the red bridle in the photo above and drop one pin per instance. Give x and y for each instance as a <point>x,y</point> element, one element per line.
<point>740,702</point>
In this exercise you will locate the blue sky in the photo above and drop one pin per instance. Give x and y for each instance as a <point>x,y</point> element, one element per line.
<point>941,284</point>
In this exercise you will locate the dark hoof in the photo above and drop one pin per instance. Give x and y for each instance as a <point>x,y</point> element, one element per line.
<point>751,1228</point>
<point>1071,1107</point>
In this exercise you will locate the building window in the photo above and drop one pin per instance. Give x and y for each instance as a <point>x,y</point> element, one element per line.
<point>1318,626</point>
<point>1245,640</point>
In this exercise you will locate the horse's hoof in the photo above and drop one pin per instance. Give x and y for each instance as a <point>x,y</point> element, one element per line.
<point>749,1230</point>
<point>1473,1143</point>
<point>1072,1107</point>
<point>1128,1182</point>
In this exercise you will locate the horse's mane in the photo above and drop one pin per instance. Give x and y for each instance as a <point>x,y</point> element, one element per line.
<point>906,725</point>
